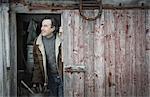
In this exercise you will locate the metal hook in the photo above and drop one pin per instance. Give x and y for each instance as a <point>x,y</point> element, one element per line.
<point>91,18</point>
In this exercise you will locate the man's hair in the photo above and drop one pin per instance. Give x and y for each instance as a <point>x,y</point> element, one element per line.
<point>54,23</point>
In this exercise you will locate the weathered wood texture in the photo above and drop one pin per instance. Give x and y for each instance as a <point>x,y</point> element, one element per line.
<point>126,69</point>
<point>148,44</point>
<point>113,51</point>
<point>4,50</point>
<point>83,46</point>
<point>106,3</point>
<point>109,57</point>
<point>99,65</point>
<point>13,54</point>
<point>73,45</point>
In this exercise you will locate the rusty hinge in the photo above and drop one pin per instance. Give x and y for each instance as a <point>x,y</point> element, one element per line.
<point>75,68</point>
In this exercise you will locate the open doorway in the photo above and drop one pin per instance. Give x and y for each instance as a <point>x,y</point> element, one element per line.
<point>28,28</point>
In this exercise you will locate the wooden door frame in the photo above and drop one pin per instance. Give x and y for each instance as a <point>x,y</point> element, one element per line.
<point>4,50</point>
<point>14,10</point>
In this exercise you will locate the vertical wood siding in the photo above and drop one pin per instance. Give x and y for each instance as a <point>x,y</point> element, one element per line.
<point>148,44</point>
<point>72,47</point>
<point>109,55</point>
<point>113,51</point>
<point>99,66</point>
<point>84,43</point>
<point>125,48</point>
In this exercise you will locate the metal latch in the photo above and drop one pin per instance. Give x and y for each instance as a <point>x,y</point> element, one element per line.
<point>75,68</point>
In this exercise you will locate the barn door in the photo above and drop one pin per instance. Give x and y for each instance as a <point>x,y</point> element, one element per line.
<point>111,51</point>
<point>125,67</point>
<point>82,53</point>
<point>74,67</point>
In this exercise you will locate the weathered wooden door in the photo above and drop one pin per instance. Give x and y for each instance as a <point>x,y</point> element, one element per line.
<point>83,55</point>
<point>106,57</point>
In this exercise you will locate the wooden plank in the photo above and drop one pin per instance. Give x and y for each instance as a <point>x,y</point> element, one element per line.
<point>137,67</point>
<point>78,81</point>
<point>67,38</point>
<point>13,54</point>
<point>148,44</point>
<point>72,5</point>
<point>128,87</point>
<point>75,27</point>
<point>129,53</point>
<point>133,55</point>
<point>137,57</point>
<point>99,66</point>
<point>148,64</point>
<point>109,32</point>
<point>124,77</point>
<point>141,68</point>
<point>81,34</point>
<point>147,29</point>
<point>140,72</point>
<point>78,85</point>
<point>68,89</point>
<point>124,67</point>
<point>88,27</point>
<point>119,51</point>
<point>67,52</point>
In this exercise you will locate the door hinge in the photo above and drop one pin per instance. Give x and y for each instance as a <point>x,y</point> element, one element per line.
<point>75,68</point>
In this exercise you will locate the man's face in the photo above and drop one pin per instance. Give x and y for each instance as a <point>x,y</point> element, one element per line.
<point>47,28</point>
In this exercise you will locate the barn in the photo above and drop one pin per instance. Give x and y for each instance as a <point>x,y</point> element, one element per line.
<point>106,46</point>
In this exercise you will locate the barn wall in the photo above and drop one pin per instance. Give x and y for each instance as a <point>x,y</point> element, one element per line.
<point>113,51</point>
<point>108,57</point>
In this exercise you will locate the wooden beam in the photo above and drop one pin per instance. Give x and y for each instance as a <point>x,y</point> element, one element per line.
<point>85,7</point>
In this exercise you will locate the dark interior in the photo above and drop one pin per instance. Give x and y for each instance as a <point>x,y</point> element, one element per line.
<point>25,37</point>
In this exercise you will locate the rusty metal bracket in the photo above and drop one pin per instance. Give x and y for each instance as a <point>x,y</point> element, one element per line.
<point>91,18</point>
<point>75,68</point>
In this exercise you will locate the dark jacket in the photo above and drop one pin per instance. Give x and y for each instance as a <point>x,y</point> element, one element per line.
<point>40,72</point>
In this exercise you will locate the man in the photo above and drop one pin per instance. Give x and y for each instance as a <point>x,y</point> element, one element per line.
<point>47,74</point>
